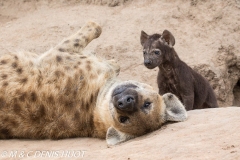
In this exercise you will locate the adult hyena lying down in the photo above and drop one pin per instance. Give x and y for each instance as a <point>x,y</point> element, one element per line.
<point>65,93</point>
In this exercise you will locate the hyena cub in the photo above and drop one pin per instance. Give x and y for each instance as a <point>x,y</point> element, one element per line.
<point>174,75</point>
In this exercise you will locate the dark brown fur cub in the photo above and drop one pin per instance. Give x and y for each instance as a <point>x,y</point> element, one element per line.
<point>174,75</point>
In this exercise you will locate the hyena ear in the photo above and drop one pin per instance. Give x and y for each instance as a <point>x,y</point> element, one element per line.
<point>175,110</point>
<point>176,114</point>
<point>168,38</point>
<point>143,38</point>
<point>115,137</point>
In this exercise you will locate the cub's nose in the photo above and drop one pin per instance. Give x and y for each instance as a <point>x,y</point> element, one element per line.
<point>147,62</point>
<point>126,103</point>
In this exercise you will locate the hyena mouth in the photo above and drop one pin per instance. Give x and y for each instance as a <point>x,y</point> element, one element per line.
<point>150,66</point>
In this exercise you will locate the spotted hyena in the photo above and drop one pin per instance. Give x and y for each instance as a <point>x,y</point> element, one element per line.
<point>174,75</point>
<point>67,93</point>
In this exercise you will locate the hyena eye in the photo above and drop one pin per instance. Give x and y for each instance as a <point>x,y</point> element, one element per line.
<point>157,52</point>
<point>144,52</point>
<point>146,104</point>
<point>123,119</point>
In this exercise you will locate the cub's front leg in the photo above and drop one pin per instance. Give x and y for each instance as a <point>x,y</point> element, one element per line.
<point>162,84</point>
<point>188,102</point>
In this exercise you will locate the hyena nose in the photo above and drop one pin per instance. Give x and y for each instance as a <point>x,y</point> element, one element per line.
<point>147,62</point>
<point>126,103</point>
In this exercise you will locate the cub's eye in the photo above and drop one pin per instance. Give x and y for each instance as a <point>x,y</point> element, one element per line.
<point>146,105</point>
<point>123,119</point>
<point>157,52</point>
<point>144,52</point>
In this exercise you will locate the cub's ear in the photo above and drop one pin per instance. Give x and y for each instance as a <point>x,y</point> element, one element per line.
<point>175,110</point>
<point>143,38</point>
<point>168,38</point>
<point>115,137</point>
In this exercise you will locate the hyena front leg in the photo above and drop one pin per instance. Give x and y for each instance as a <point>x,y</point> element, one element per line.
<point>77,42</point>
<point>74,43</point>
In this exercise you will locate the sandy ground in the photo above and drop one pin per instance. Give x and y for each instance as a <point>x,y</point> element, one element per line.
<point>200,28</point>
<point>207,134</point>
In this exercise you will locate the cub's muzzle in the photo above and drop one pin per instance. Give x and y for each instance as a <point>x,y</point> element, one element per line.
<point>147,62</point>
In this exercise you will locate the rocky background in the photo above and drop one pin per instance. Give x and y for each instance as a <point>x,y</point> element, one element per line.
<point>207,37</point>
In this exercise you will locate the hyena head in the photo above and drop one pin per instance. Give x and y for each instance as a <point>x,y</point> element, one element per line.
<point>137,109</point>
<point>157,48</point>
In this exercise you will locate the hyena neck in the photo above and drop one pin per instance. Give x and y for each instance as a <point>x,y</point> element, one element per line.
<point>171,61</point>
<point>102,113</point>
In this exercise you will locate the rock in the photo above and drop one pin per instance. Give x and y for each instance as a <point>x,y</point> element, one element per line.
<point>223,75</point>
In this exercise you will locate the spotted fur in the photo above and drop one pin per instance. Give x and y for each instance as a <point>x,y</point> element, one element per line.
<point>66,93</point>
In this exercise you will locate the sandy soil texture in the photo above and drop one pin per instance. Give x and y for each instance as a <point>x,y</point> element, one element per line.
<point>207,134</point>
